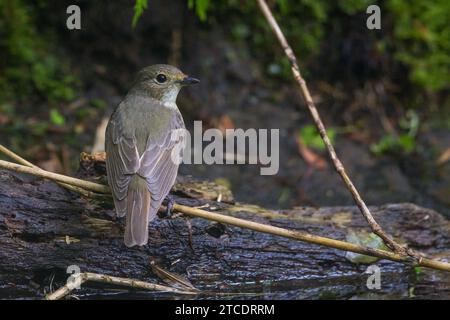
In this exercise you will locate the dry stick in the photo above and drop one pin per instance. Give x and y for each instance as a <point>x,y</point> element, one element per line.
<point>54,176</point>
<point>95,277</point>
<point>259,227</point>
<point>19,159</point>
<point>307,237</point>
<point>323,133</point>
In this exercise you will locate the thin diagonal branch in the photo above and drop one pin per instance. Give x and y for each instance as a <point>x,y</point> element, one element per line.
<point>376,228</point>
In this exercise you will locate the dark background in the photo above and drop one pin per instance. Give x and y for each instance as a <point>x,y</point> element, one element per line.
<point>383,94</point>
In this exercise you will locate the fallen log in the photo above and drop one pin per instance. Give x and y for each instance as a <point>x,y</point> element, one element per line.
<point>44,229</point>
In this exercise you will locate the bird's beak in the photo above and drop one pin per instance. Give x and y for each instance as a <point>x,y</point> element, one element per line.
<point>189,80</point>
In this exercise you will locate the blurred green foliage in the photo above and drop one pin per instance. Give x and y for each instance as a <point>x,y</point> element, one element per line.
<point>422,34</point>
<point>201,7</point>
<point>405,142</point>
<point>418,270</point>
<point>57,118</point>
<point>416,31</point>
<point>28,65</point>
<point>139,9</point>
<point>311,137</point>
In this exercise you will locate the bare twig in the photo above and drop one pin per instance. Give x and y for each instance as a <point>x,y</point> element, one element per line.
<point>95,277</point>
<point>323,133</point>
<point>310,238</point>
<point>172,278</point>
<point>19,159</point>
<point>259,227</point>
<point>55,176</point>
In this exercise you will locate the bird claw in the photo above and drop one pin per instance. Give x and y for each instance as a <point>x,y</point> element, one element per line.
<point>169,210</point>
<point>168,213</point>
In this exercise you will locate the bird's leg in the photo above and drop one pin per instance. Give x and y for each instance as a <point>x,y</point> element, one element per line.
<point>167,214</point>
<point>169,206</point>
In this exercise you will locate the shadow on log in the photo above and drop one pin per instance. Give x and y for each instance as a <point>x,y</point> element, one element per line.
<point>44,229</point>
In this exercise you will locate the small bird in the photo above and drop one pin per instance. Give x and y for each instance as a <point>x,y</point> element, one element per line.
<point>139,144</point>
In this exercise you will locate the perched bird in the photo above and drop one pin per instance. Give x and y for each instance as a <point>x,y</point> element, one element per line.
<point>139,145</point>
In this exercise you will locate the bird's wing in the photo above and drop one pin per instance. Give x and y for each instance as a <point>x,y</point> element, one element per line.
<point>158,164</point>
<point>121,163</point>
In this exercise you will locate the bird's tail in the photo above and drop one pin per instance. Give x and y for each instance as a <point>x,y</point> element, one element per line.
<point>138,211</point>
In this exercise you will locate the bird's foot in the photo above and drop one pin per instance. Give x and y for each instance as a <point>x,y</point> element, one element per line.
<point>169,208</point>
<point>168,213</point>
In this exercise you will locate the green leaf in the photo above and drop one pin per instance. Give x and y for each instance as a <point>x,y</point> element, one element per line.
<point>98,103</point>
<point>312,138</point>
<point>410,122</point>
<point>139,8</point>
<point>284,6</point>
<point>385,144</point>
<point>365,239</point>
<point>407,143</point>
<point>417,270</point>
<point>201,8</point>
<point>57,118</point>
<point>39,128</point>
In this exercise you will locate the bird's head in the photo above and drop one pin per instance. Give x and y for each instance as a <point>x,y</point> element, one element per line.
<point>162,82</point>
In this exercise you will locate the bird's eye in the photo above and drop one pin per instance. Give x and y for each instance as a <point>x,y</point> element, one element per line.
<point>161,78</point>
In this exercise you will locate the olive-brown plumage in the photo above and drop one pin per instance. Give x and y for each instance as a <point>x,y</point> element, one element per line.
<point>139,144</point>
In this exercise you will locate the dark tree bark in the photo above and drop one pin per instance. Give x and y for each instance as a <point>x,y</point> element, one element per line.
<point>44,229</point>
